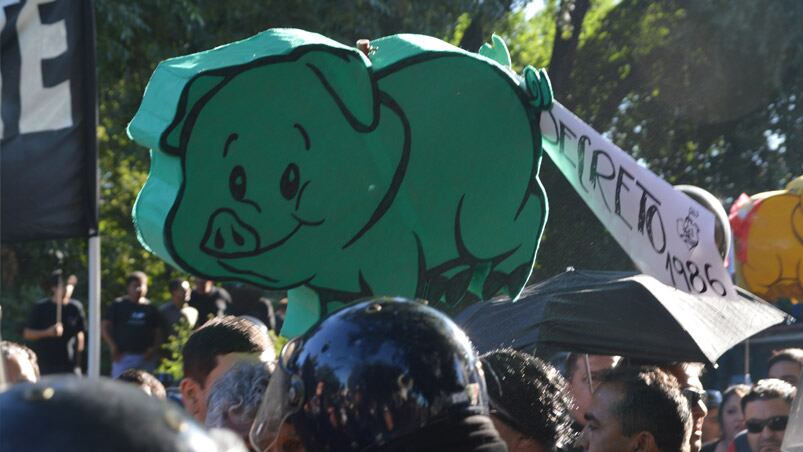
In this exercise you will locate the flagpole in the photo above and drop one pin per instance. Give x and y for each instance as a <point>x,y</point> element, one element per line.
<point>747,378</point>
<point>2,364</point>
<point>93,349</point>
<point>91,113</point>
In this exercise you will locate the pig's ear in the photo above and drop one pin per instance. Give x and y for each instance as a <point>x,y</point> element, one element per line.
<point>347,77</point>
<point>197,92</point>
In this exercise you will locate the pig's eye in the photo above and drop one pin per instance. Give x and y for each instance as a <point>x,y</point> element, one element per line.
<point>237,182</point>
<point>289,182</point>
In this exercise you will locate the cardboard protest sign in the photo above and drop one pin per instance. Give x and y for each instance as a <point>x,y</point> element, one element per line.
<point>667,234</point>
<point>768,228</point>
<point>291,161</point>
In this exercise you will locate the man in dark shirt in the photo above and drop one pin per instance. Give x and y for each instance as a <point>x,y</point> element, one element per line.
<point>210,301</point>
<point>250,300</point>
<point>177,309</point>
<point>56,328</point>
<point>132,328</point>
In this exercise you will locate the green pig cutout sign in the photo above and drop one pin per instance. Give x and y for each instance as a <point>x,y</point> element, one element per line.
<point>291,161</point>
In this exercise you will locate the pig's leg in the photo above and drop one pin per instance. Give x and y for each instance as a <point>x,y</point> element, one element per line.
<point>391,265</point>
<point>759,278</point>
<point>512,268</point>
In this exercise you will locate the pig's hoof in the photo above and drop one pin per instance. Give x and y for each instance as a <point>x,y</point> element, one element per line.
<point>458,286</point>
<point>437,288</point>
<point>517,279</point>
<point>494,282</point>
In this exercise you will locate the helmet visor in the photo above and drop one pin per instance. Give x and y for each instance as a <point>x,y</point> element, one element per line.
<point>283,398</point>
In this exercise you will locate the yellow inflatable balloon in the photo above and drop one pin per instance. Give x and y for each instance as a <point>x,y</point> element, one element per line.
<point>768,233</point>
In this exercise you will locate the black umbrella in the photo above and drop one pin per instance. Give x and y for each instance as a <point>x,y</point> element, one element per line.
<point>618,313</point>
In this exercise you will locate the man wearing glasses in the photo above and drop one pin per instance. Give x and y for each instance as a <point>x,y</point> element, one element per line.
<point>688,376</point>
<point>766,413</point>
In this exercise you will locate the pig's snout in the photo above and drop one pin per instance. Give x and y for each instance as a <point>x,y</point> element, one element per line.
<point>228,236</point>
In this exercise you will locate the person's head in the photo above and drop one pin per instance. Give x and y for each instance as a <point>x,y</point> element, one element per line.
<point>730,416</point>
<point>180,291</point>
<point>711,424</point>
<point>235,397</point>
<point>766,413</point>
<point>529,401</point>
<point>204,285</point>
<point>380,373</point>
<point>61,287</point>
<point>786,365</point>
<point>636,409</point>
<point>55,282</point>
<point>688,377</point>
<point>136,285</point>
<point>211,350</point>
<point>19,363</point>
<point>71,414</point>
<point>577,376</point>
<point>281,308</point>
<point>144,381</point>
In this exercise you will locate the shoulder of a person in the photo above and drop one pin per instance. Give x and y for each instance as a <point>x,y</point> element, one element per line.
<point>710,446</point>
<point>40,309</point>
<point>76,303</point>
<point>117,304</point>
<point>168,307</point>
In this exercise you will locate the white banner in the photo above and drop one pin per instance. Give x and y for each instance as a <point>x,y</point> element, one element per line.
<point>667,234</point>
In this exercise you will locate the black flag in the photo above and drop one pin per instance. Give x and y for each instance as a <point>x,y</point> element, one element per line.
<point>48,152</point>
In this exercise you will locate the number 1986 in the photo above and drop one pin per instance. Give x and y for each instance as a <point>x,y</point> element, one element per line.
<point>688,274</point>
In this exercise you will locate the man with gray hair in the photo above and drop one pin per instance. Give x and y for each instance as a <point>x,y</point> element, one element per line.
<point>212,350</point>
<point>235,397</point>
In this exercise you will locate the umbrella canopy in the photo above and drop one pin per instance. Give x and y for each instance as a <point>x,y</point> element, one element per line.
<point>618,313</point>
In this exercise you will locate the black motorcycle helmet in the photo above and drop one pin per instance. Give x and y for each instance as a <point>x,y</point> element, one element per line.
<point>72,414</point>
<point>370,374</point>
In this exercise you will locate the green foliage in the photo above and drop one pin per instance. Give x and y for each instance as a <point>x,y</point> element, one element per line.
<point>173,361</point>
<point>706,93</point>
<point>278,342</point>
<point>529,41</point>
<point>16,311</point>
<point>460,27</point>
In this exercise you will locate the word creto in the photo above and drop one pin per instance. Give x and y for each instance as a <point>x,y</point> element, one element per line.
<point>667,234</point>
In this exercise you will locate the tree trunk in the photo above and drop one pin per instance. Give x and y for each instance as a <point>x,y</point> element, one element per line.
<point>568,25</point>
<point>473,37</point>
<point>485,15</point>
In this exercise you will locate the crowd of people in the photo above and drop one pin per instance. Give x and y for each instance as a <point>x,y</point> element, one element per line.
<point>133,328</point>
<point>379,374</point>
